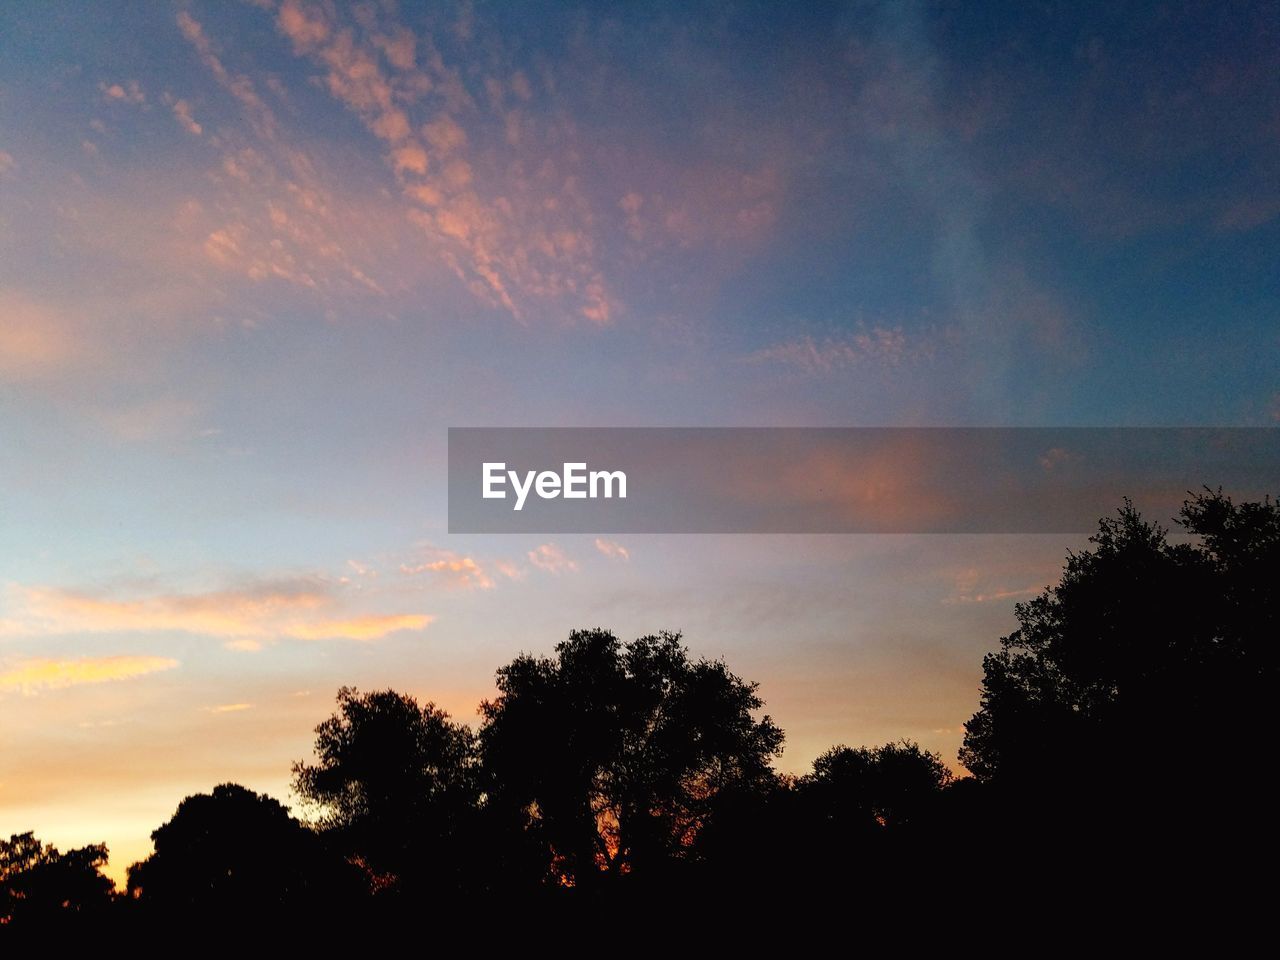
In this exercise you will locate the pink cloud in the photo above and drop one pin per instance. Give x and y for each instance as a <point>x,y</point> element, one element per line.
<point>612,550</point>
<point>129,92</point>
<point>451,568</point>
<point>551,559</point>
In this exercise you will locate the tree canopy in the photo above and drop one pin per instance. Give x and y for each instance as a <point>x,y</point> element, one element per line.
<point>394,784</point>
<point>236,850</point>
<point>37,881</point>
<point>1138,634</point>
<point>613,754</point>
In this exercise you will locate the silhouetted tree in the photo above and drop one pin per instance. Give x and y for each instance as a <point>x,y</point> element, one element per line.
<point>860,824</point>
<point>871,789</point>
<point>234,850</point>
<point>40,883</point>
<point>1137,633</point>
<point>395,786</point>
<point>1131,706</point>
<point>612,756</point>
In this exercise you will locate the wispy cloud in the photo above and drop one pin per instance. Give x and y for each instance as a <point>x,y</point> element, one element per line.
<point>40,673</point>
<point>552,559</point>
<point>35,340</point>
<point>127,92</point>
<point>875,346</point>
<point>519,234</point>
<point>182,113</point>
<point>230,708</point>
<point>245,617</point>
<point>972,585</point>
<point>238,85</point>
<point>612,549</point>
<point>450,568</point>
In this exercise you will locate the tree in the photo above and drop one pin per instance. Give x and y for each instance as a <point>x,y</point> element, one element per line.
<point>40,883</point>
<point>868,790</point>
<point>1139,630</point>
<point>235,850</point>
<point>395,786</point>
<point>612,756</point>
<point>1133,702</point>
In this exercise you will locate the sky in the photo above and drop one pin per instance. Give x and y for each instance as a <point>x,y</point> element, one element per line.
<point>257,257</point>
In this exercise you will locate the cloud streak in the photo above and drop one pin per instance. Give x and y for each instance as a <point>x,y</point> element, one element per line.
<point>452,569</point>
<point>246,618</point>
<point>32,675</point>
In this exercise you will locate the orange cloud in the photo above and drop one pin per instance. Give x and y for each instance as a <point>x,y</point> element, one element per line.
<point>129,92</point>
<point>552,559</point>
<point>39,673</point>
<point>246,618</point>
<point>612,550</point>
<point>454,569</point>
<point>519,235</point>
<point>182,112</point>
<point>230,708</point>
<point>359,628</point>
<point>238,85</point>
<point>34,340</point>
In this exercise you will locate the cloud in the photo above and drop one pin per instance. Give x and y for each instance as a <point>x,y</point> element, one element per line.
<point>518,231</point>
<point>451,568</point>
<point>238,85</point>
<point>39,673</point>
<point>512,571</point>
<point>1054,457</point>
<point>359,628</point>
<point>129,92</point>
<point>246,617</point>
<point>994,596</point>
<point>878,346</point>
<point>612,550</point>
<point>7,162</point>
<point>968,588</point>
<point>552,559</point>
<point>182,112</point>
<point>1249,213</point>
<point>230,708</point>
<point>280,218</point>
<point>300,26</point>
<point>445,135</point>
<point>35,340</point>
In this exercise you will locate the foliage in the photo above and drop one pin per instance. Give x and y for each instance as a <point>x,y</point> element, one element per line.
<point>233,849</point>
<point>1139,634</point>
<point>613,754</point>
<point>394,784</point>
<point>38,882</point>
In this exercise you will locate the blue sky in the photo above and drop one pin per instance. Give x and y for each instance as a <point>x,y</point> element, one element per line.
<point>255,258</point>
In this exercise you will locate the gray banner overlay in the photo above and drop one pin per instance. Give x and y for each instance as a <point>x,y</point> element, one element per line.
<point>843,480</point>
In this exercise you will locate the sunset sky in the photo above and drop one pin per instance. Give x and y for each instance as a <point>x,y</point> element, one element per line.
<point>257,257</point>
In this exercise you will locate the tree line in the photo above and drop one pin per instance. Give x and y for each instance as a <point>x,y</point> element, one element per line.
<point>1121,742</point>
